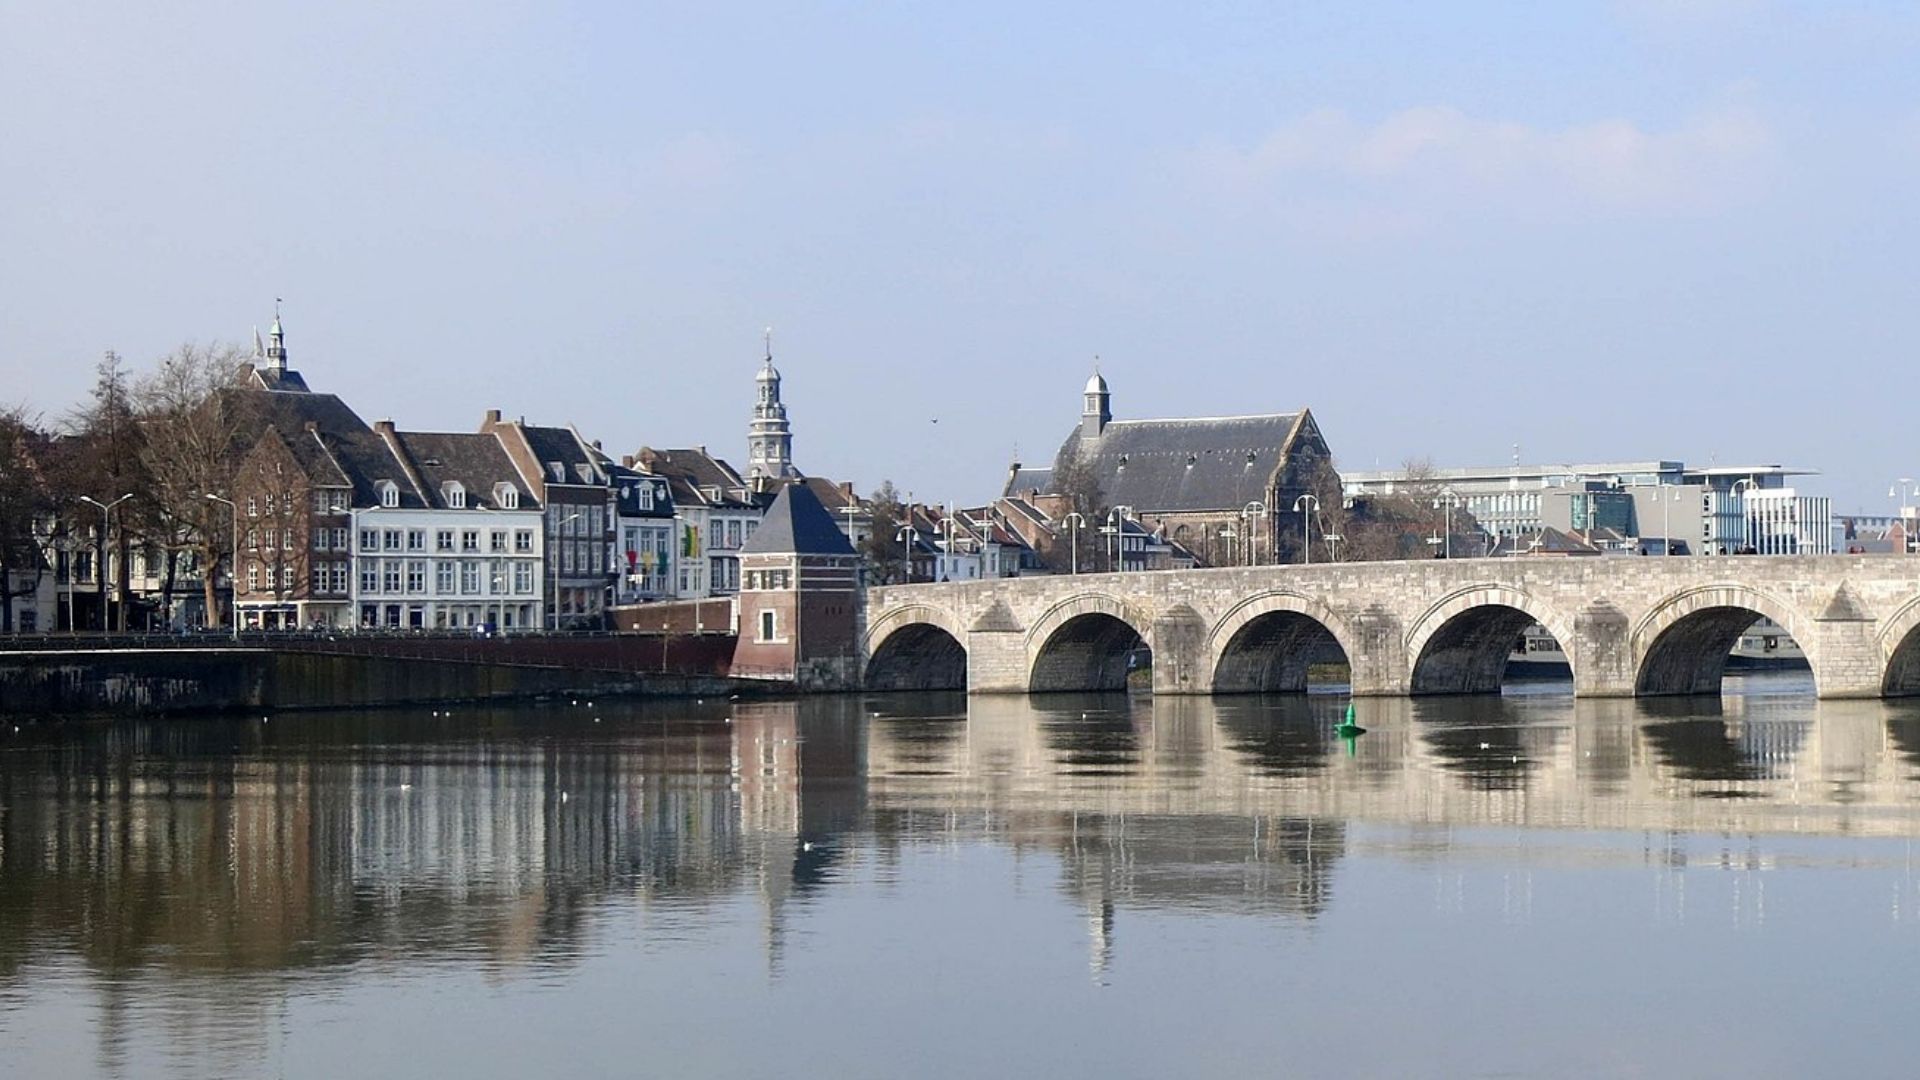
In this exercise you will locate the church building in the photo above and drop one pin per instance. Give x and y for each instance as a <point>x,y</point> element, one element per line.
<point>1224,487</point>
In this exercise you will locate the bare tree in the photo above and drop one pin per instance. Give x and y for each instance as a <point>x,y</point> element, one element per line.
<point>1078,485</point>
<point>110,467</point>
<point>887,563</point>
<point>24,502</point>
<point>189,450</point>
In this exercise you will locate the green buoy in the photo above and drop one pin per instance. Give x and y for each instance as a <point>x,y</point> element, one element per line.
<point>1348,729</point>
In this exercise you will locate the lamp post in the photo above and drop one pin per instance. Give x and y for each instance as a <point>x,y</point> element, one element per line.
<point>1312,506</point>
<point>1449,500</point>
<point>946,557</point>
<point>1074,524</point>
<point>106,527</point>
<point>1117,526</point>
<point>1903,501</point>
<point>1252,512</point>
<point>907,536</point>
<point>233,567</point>
<point>1746,518</point>
<point>553,559</point>
<point>1332,539</point>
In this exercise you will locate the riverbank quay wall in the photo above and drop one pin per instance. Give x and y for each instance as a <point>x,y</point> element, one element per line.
<point>1629,626</point>
<point>129,679</point>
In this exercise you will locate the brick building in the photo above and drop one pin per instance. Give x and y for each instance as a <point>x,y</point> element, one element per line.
<point>799,596</point>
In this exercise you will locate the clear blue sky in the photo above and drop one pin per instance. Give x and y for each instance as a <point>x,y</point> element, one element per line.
<point>1611,230</point>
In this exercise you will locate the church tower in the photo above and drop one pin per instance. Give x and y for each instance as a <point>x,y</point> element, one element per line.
<point>769,437</point>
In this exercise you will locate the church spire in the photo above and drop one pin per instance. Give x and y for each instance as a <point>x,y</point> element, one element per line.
<point>1097,412</point>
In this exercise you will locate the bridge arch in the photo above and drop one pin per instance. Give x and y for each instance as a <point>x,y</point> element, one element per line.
<point>1266,643</point>
<point>1460,644</point>
<point>1680,646</point>
<point>1084,643</point>
<point>1900,651</point>
<point>916,647</point>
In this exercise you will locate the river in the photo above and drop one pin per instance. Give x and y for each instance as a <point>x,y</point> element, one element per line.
<point>932,886</point>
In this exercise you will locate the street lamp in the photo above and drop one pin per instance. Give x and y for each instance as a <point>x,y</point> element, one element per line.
<point>233,568</point>
<point>1904,501</point>
<point>1117,525</point>
<point>908,534</point>
<point>1074,524</point>
<point>946,557</point>
<point>1449,500</point>
<point>553,559</point>
<point>1332,539</point>
<point>1254,511</point>
<point>1312,503</point>
<point>106,527</point>
<point>1746,518</point>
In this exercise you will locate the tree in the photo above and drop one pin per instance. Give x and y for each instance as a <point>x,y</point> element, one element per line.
<point>1405,524</point>
<point>886,561</point>
<point>110,467</point>
<point>1077,486</point>
<point>192,439</point>
<point>24,502</point>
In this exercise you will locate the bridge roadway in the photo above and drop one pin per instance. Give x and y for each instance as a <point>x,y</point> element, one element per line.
<point>1629,626</point>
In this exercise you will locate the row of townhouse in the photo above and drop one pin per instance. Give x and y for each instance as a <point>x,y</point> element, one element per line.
<point>349,525</point>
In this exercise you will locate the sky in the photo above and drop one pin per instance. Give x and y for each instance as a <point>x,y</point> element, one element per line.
<point>1617,230</point>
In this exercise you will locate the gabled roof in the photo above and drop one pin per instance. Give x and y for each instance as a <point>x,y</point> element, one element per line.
<point>693,472</point>
<point>329,440</point>
<point>477,462</point>
<point>1157,466</point>
<point>563,445</point>
<point>796,523</point>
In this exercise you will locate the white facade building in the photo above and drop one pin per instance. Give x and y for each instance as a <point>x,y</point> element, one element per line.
<point>447,569</point>
<point>1783,522</point>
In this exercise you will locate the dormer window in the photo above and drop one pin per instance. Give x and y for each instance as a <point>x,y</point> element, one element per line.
<point>455,493</point>
<point>506,496</point>
<point>557,471</point>
<point>586,473</point>
<point>389,494</point>
<point>646,496</point>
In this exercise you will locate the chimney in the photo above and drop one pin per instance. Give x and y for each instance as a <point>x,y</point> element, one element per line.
<point>626,461</point>
<point>492,418</point>
<point>846,489</point>
<point>384,427</point>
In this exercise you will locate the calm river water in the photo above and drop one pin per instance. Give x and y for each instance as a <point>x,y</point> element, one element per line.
<point>931,886</point>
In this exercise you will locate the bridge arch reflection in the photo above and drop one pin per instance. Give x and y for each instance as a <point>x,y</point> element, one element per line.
<point>916,648</point>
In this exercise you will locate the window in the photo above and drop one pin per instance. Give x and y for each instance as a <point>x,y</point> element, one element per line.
<point>319,505</point>
<point>253,578</point>
<point>646,496</point>
<point>269,504</point>
<point>390,575</point>
<point>390,540</point>
<point>557,471</point>
<point>470,540</point>
<point>320,537</point>
<point>497,541</point>
<point>733,534</point>
<point>416,577</point>
<point>507,496</point>
<point>370,575</point>
<point>456,495</point>
<point>523,541</point>
<point>389,493</point>
<point>443,540</point>
<point>339,577</point>
<point>253,507</point>
<point>416,539</point>
<point>286,579</point>
<point>272,536</point>
<point>286,540</point>
<point>469,577</point>
<point>369,539</point>
<point>497,576</point>
<point>767,625</point>
<point>523,577</point>
<point>443,576</point>
<point>566,561</point>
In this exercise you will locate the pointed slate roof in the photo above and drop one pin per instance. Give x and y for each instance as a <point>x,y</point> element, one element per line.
<point>796,523</point>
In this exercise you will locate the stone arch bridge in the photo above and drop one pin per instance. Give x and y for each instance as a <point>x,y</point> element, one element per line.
<point>1629,626</point>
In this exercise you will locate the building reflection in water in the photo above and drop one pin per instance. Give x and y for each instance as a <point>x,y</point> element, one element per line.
<point>504,837</point>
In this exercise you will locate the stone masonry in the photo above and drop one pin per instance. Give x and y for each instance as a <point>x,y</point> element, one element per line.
<point>1628,625</point>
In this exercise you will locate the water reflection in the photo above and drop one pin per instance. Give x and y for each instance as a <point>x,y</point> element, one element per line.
<point>504,839</point>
